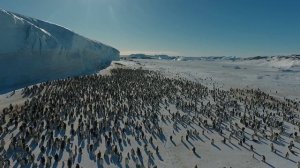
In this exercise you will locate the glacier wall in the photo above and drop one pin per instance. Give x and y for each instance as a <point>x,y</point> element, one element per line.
<point>33,51</point>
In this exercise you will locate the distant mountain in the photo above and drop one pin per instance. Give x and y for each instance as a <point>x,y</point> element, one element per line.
<point>32,51</point>
<point>179,58</point>
<point>281,61</point>
<point>285,59</point>
<point>208,58</point>
<point>279,57</point>
<point>144,56</point>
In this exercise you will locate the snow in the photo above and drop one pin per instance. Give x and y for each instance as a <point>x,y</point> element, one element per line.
<point>227,74</point>
<point>222,74</point>
<point>33,51</point>
<point>179,58</point>
<point>283,62</point>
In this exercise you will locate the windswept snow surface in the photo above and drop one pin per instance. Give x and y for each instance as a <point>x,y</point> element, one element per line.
<point>33,51</point>
<point>232,74</point>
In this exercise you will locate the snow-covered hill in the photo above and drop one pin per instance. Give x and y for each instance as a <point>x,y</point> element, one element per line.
<point>283,62</point>
<point>180,58</point>
<point>144,56</point>
<point>287,63</point>
<point>32,51</point>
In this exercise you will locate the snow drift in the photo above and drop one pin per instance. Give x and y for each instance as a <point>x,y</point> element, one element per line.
<point>33,51</point>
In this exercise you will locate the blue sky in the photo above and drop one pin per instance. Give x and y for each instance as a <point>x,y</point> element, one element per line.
<point>177,27</point>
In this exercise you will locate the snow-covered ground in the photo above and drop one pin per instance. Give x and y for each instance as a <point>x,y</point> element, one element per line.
<point>245,73</point>
<point>216,74</point>
<point>268,76</point>
<point>33,51</point>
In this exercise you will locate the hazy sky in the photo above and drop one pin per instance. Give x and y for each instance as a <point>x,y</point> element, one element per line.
<point>177,27</point>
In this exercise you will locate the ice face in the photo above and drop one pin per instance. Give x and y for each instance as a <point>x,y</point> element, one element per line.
<point>33,51</point>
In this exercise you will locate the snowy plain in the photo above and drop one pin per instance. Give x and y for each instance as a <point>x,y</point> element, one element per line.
<point>280,79</point>
<point>281,76</point>
<point>221,74</point>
